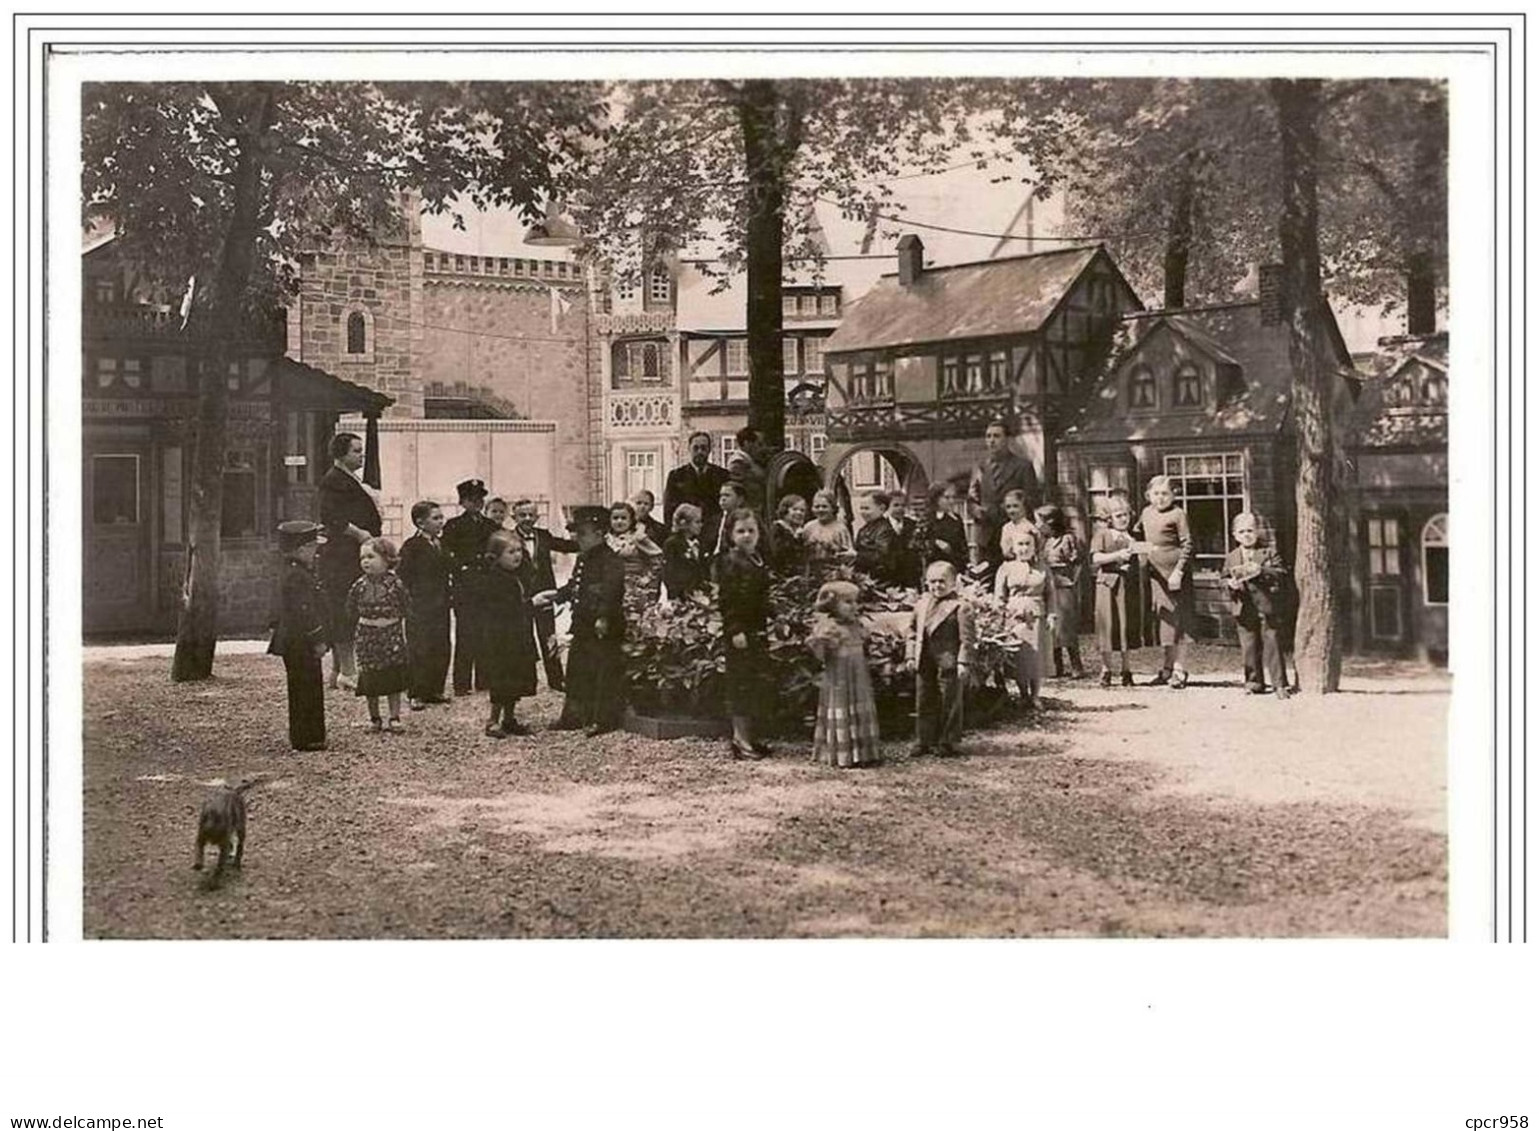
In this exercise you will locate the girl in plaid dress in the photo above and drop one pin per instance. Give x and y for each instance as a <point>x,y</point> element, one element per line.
<point>846,732</point>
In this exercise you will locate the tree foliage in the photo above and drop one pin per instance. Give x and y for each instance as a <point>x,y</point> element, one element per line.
<point>739,166</point>
<point>229,182</point>
<point>1148,162</point>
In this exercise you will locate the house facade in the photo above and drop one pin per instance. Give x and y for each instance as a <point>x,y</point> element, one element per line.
<point>1400,532</point>
<point>672,359</point>
<point>1202,395</point>
<point>142,367</point>
<point>925,360</point>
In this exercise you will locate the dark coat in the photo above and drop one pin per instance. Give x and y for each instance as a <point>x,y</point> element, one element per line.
<point>425,569</point>
<point>596,591</point>
<point>945,528</point>
<point>507,633</point>
<point>992,480</point>
<point>464,541</point>
<point>655,530</point>
<point>908,567</point>
<point>876,551</point>
<point>744,596</point>
<point>301,623</point>
<point>788,556</point>
<point>539,547</point>
<point>1264,596</point>
<point>702,488</point>
<point>683,574</point>
<point>341,501</point>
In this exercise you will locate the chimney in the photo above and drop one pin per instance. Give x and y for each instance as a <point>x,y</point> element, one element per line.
<point>910,260</point>
<point>1269,291</point>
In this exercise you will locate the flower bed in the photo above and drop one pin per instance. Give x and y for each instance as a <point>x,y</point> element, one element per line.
<point>676,655</point>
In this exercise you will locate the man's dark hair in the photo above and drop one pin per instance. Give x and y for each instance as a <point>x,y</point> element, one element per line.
<point>341,444</point>
<point>748,435</point>
<point>420,511</point>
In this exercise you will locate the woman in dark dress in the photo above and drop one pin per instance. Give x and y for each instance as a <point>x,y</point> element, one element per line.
<point>744,583</point>
<point>942,537</point>
<point>349,517</point>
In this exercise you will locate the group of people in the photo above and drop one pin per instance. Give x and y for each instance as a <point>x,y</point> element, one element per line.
<point>385,612</point>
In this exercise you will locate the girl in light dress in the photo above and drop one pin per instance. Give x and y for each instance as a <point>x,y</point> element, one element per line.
<point>828,539</point>
<point>846,733</point>
<point>1165,529</point>
<point>1023,585</point>
<point>1119,609</point>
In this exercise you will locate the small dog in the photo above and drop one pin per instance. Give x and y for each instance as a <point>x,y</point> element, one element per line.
<point>221,821</point>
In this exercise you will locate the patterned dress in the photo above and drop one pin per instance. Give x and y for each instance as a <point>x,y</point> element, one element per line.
<point>1119,608</point>
<point>826,543</point>
<point>383,665</point>
<point>846,731</point>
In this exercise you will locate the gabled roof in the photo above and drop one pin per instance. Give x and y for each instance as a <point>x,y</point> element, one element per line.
<point>1232,334</point>
<point>1013,295</point>
<point>1378,424</point>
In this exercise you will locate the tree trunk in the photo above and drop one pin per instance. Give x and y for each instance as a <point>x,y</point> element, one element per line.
<point>1317,561</point>
<point>1178,236</point>
<point>758,114</point>
<point>198,627</point>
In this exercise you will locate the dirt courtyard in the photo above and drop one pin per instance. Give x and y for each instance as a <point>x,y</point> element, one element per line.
<point>1140,811</point>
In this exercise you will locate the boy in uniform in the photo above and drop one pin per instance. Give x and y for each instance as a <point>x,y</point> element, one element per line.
<point>424,567</point>
<point>464,540</point>
<point>300,635</point>
<point>595,685</point>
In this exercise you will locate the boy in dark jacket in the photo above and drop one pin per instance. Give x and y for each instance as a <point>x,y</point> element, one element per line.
<point>300,635</point>
<point>539,545</point>
<point>424,567</point>
<point>1256,579</point>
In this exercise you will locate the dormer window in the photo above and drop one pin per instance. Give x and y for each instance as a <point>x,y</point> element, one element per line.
<point>1188,386</point>
<point>1142,392</point>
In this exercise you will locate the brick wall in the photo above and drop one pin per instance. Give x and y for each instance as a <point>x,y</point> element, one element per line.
<point>494,332</point>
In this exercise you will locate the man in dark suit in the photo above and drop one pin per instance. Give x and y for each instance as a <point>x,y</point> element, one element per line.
<point>595,688</point>
<point>1002,472</point>
<point>539,544</point>
<point>464,540</point>
<point>698,481</point>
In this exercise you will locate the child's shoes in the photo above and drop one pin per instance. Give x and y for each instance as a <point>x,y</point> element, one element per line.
<point>1177,679</point>
<point>1106,677</point>
<point>394,727</point>
<point>1162,679</point>
<point>1127,679</point>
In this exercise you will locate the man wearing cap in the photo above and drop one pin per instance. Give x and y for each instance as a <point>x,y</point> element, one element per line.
<point>300,634</point>
<point>464,541</point>
<point>595,678</point>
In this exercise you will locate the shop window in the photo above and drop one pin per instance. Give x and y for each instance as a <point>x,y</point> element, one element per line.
<point>1434,560</point>
<point>238,517</point>
<point>1188,386</point>
<point>1142,391</point>
<point>1211,488</point>
<point>115,490</point>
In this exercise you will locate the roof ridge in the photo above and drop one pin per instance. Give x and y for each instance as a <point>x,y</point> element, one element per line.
<point>1001,259</point>
<point>1177,311</point>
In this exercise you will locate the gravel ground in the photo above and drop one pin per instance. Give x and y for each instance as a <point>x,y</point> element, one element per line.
<point>1127,812</point>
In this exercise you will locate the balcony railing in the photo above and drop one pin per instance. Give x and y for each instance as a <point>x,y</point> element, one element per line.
<point>642,410</point>
<point>140,322</point>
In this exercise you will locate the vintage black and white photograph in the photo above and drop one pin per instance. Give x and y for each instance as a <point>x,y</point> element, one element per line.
<point>770,507</point>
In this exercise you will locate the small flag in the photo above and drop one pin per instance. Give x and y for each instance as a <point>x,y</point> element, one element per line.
<point>192,285</point>
<point>558,306</point>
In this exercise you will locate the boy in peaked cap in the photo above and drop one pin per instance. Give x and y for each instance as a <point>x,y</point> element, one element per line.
<point>300,635</point>
<point>464,541</point>
<point>595,679</point>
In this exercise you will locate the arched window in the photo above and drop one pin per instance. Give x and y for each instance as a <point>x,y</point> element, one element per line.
<point>1188,386</point>
<point>1141,390</point>
<point>357,334</point>
<point>1434,560</point>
